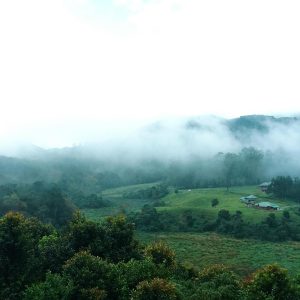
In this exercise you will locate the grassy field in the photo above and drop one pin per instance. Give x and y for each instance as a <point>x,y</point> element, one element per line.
<point>243,256</point>
<point>200,200</point>
<point>197,200</point>
<point>119,204</point>
<point>202,249</point>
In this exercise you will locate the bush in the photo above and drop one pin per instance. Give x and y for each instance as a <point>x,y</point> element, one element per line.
<point>156,289</point>
<point>55,287</point>
<point>216,283</point>
<point>271,282</point>
<point>160,253</point>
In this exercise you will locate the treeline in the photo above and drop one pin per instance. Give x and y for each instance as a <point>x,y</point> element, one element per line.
<point>46,201</point>
<point>285,187</point>
<point>272,228</point>
<point>154,192</point>
<point>88,260</point>
<point>92,175</point>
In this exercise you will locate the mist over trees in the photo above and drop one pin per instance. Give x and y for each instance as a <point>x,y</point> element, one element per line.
<point>195,152</point>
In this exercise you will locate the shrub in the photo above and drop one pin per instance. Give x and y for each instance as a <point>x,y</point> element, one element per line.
<point>156,289</point>
<point>160,253</point>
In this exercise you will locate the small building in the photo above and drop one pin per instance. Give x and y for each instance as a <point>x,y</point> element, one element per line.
<point>264,186</point>
<point>267,205</point>
<point>248,199</point>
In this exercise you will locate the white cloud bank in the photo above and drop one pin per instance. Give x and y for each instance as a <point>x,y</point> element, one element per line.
<point>64,64</point>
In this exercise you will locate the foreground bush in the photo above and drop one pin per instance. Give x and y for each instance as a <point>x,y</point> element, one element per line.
<point>271,282</point>
<point>160,253</point>
<point>156,289</point>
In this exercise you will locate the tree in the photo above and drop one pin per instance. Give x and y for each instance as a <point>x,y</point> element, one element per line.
<point>91,275</point>
<point>148,219</point>
<point>223,222</point>
<point>215,283</point>
<point>160,253</point>
<point>19,237</point>
<point>55,287</point>
<point>250,159</point>
<point>230,164</point>
<point>214,202</point>
<point>286,215</point>
<point>119,243</point>
<point>281,186</point>
<point>155,289</point>
<point>81,233</point>
<point>135,271</point>
<point>271,282</point>
<point>53,251</point>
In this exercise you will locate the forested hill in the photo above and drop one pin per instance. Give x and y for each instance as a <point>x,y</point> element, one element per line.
<point>243,126</point>
<point>194,152</point>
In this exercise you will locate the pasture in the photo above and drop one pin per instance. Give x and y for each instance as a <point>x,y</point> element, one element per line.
<point>202,249</point>
<point>241,255</point>
<point>197,200</point>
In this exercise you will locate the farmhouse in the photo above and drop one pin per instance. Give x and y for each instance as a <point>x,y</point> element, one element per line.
<point>264,186</point>
<point>267,205</point>
<point>249,199</point>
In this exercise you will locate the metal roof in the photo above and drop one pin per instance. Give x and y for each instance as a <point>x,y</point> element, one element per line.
<point>267,204</point>
<point>250,197</point>
<point>265,184</point>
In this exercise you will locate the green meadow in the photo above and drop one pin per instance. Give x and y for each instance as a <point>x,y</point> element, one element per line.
<point>197,200</point>
<point>202,249</point>
<point>241,255</point>
<point>118,203</point>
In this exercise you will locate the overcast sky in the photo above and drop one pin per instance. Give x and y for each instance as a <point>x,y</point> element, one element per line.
<point>68,67</point>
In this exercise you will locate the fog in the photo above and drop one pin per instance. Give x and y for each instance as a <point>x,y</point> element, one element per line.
<point>205,136</point>
<point>169,139</point>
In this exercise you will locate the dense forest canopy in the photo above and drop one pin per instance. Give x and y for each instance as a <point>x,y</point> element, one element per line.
<point>88,260</point>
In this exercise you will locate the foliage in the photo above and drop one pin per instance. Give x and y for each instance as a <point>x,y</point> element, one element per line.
<point>91,274</point>
<point>156,289</point>
<point>216,283</point>
<point>154,192</point>
<point>19,237</point>
<point>148,219</point>
<point>285,187</point>
<point>160,253</point>
<point>89,201</point>
<point>271,282</point>
<point>135,271</point>
<point>113,240</point>
<point>55,287</point>
<point>44,201</point>
<point>214,202</point>
<point>53,251</point>
<point>90,260</point>
<point>119,242</point>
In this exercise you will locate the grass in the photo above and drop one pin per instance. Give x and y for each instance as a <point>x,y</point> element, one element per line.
<point>202,249</point>
<point>199,200</point>
<point>243,256</point>
<point>119,204</point>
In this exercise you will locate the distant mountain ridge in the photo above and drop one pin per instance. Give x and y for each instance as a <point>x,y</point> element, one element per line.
<point>258,122</point>
<point>236,129</point>
<point>246,125</point>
